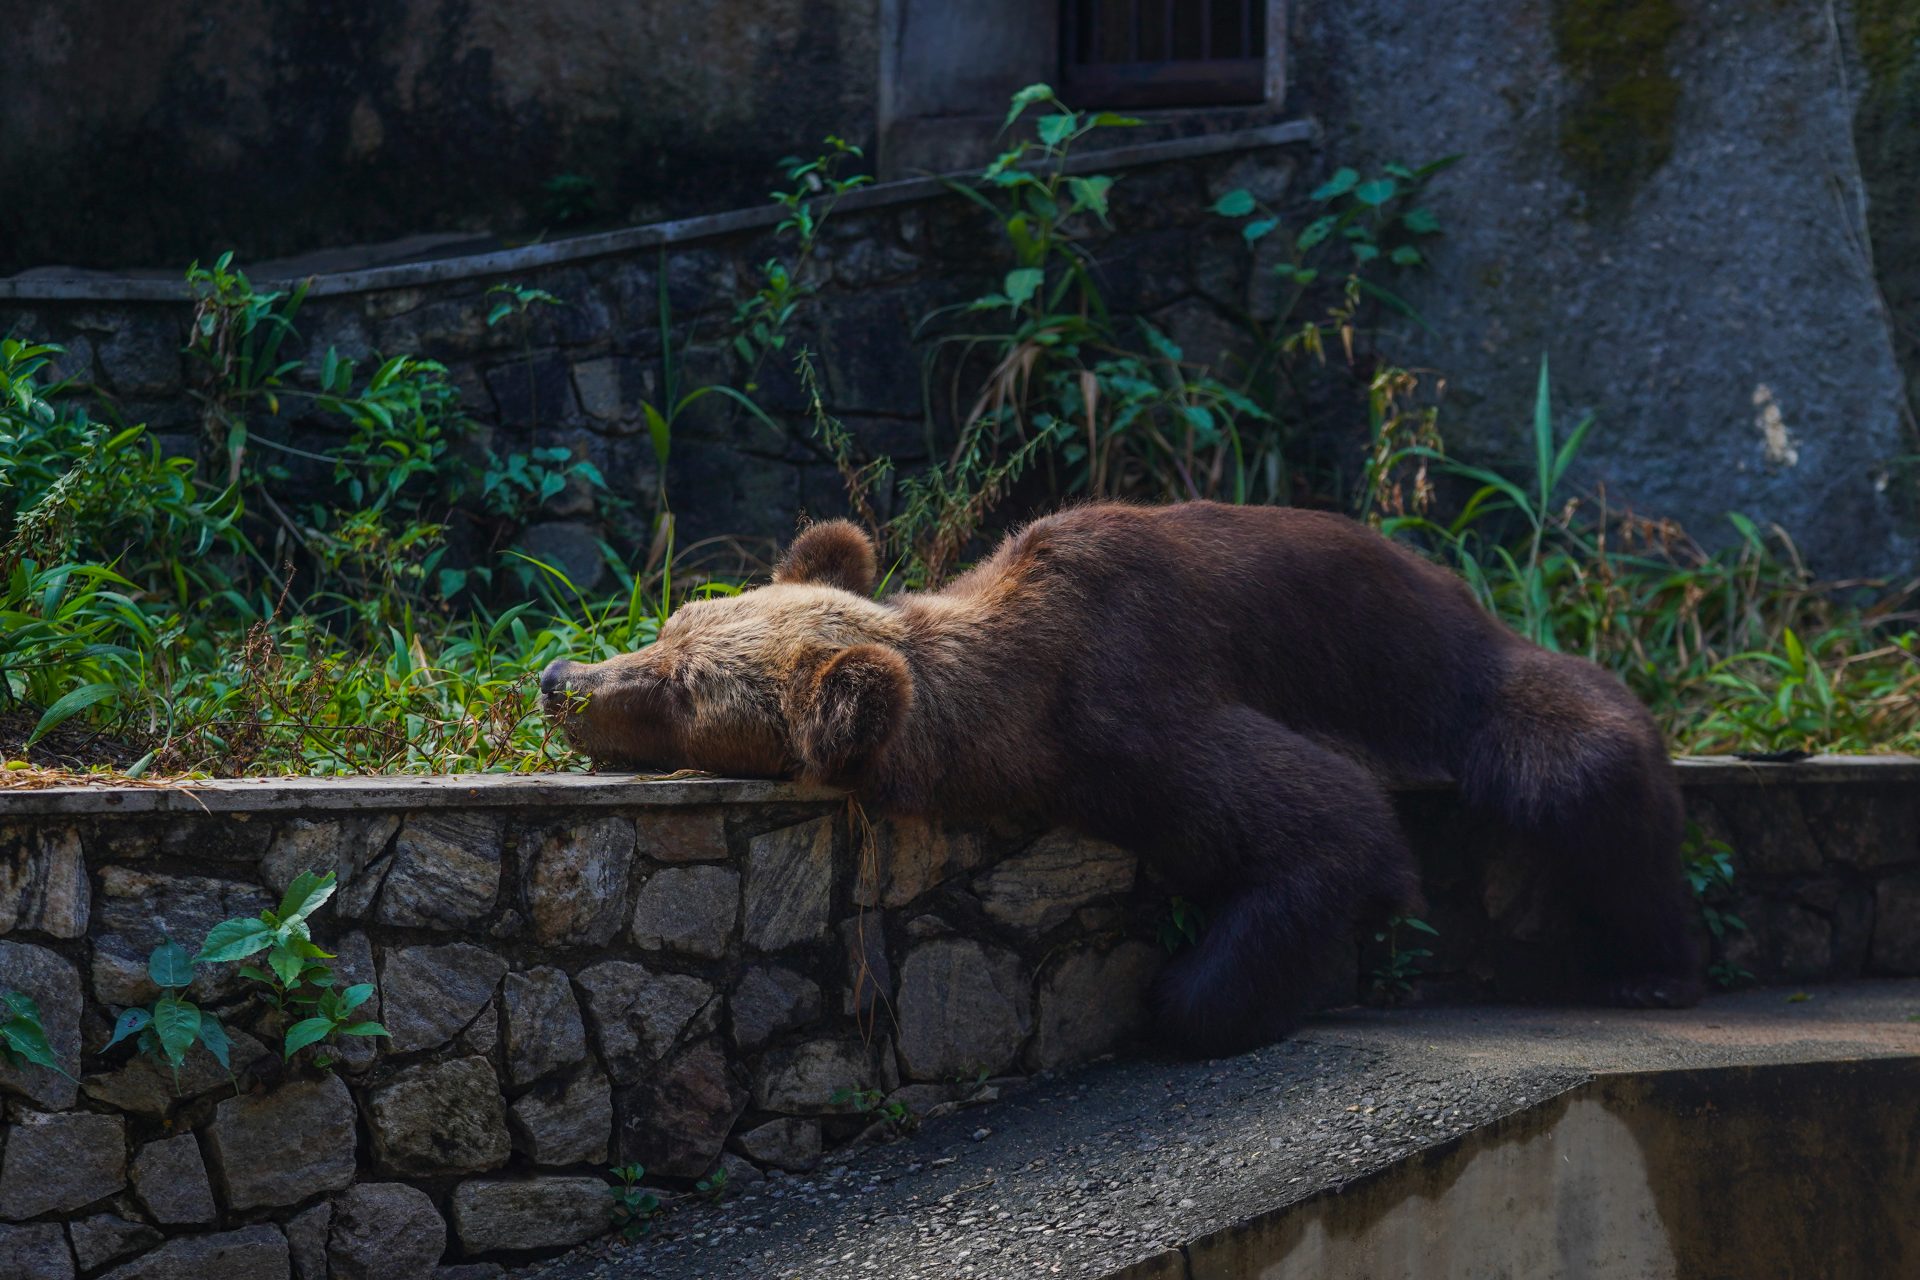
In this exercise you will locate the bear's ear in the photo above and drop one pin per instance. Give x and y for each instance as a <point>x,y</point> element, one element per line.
<point>836,553</point>
<point>846,710</point>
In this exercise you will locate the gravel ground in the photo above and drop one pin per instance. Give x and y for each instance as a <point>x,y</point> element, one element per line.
<point>1112,1165</point>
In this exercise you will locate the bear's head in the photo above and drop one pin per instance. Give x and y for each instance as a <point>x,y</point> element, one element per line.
<point>804,678</point>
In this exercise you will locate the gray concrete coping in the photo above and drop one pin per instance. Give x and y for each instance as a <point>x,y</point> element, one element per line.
<point>100,287</point>
<point>590,790</point>
<point>1137,1170</point>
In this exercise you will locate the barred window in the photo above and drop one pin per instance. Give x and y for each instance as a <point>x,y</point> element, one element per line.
<point>1164,53</point>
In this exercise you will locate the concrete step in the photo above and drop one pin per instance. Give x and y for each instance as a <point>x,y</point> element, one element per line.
<point>1769,1132</point>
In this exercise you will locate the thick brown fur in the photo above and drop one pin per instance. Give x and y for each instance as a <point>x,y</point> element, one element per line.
<point>1221,689</point>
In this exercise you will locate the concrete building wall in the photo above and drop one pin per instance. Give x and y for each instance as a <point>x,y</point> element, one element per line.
<point>140,133</point>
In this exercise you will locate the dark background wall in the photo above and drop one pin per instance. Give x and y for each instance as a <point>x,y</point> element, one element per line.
<point>148,132</point>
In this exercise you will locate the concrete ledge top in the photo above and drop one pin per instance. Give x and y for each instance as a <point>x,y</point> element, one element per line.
<point>523,790</point>
<point>1114,1170</point>
<point>48,284</point>
<point>390,792</point>
<point>250,795</point>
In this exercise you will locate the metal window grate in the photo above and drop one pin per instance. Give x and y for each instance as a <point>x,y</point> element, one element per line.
<point>1165,53</point>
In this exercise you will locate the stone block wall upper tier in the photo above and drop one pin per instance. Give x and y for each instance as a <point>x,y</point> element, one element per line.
<point>635,304</point>
<point>580,971</point>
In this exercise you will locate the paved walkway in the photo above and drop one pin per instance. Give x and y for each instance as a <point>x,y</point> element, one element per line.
<point>1112,1166</point>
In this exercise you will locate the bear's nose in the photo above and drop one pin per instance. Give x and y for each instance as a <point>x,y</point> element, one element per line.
<point>554,678</point>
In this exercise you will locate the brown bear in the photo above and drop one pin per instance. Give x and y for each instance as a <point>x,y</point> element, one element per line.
<point>1220,689</point>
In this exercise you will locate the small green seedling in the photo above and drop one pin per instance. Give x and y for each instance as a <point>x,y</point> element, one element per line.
<point>1394,979</point>
<point>634,1208</point>
<point>169,1027</point>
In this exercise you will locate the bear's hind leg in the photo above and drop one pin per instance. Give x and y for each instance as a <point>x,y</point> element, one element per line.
<point>1282,842</point>
<point>1572,761</point>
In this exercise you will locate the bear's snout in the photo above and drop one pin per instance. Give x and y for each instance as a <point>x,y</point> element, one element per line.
<point>553,681</point>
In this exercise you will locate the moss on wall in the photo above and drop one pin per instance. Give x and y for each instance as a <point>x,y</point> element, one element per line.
<point>1618,128</point>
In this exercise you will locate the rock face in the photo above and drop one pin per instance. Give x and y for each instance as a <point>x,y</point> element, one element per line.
<point>444,1117</point>
<point>170,1179</point>
<point>445,872</point>
<point>676,1119</point>
<point>788,1143</point>
<point>281,1147</point>
<point>353,848</point>
<point>1091,1003</point>
<point>539,1213</point>
<point>101,1239</point>
<point>562,1122</point>
<point>52,984</point>
<point>804,1079</point>
<point>770,1000</point>
<point>60,1162</point>
<point>913,855</point>
<point>687,909</point>
<point>963,1008</point>
<point>428,994</point>
<point>636,1015</point>
<point>682,835</point>
<point>1061,873</point>
<point>307,1241</point>
<point>137,910</point>
<point>1896,935</point>
<point>37,1251</point>
<point>542,1023</point>
<point>251,1253</point>
<point>576,881</point>
<point>148,1088</point>
<point>43,881</point>
<point>789,889</point>
<point>384,1231</point>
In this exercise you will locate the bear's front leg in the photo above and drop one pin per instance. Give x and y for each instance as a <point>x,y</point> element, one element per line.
<point>1282,842</point>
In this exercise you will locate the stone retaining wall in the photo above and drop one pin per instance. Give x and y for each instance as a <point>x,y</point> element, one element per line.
<point>577,375</point>
<point>580,971</point>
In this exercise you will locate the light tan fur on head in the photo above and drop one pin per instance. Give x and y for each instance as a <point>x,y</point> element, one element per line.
<point>741,685</point>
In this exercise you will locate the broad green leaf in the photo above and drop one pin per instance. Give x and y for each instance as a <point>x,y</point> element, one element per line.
<point>1022,284</point>
<point>1025,98</point>
<point>1375,193</point>
<point>170,966</point>
<point>175,1023</point>
<point>1258,229</point>
<point>1421,222</point>
<point>304,896</point>
<point>70,704</point>
<point>285,964</point>
<point>355,996</point>
<point>1316,231</point>
<point>1407,256</point>
<point>130,1023</point>
<point>29,1040</point>
<point>306,1032</point>
<point>1057,128</point>
<point>1343,181</point>
<point>1091,193</point>
<point>214,1036</point>
<point>235,940</point>
<point>364,1029</point>
<point>1237,203</point>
